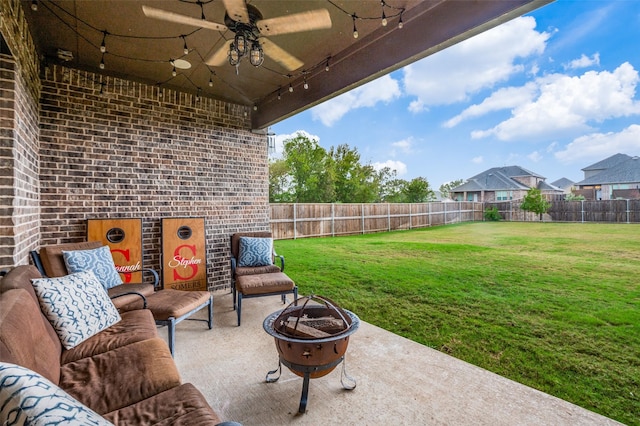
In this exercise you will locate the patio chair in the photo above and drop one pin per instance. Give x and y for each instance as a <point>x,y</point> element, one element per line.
<point>168,306</point>
<point>254,272</point>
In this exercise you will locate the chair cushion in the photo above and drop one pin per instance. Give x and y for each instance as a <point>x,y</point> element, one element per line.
<point>76,305</point>
<point>264,283</point>
<point>28,398</point>
<point>168,303</point>
<point>254,270</point>
<point>52,260</point>
<point>98,260</point>
<point>255,251</point>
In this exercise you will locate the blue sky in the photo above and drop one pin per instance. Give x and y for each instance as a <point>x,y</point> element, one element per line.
<point>553,91</point>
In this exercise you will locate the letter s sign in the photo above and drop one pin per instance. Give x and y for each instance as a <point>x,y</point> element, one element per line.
<point>127,256</point>
<point>177,255</point>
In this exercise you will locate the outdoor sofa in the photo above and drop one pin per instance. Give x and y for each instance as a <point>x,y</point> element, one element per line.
<point>124,374</point>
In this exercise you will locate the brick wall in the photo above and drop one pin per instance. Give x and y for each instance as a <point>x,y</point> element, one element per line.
<point>19,94</point>
<point>114,148</point>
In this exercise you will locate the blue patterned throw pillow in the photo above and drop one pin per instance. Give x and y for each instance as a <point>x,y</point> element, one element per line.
<point>97,260</point>
<point>27,398</point>
<point>76,305</point>
<point>255,251</point>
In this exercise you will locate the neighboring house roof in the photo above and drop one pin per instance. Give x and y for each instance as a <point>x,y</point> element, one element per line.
<point>608,163</point>
<point>563,183</point>
<point>497,179</point>
<point>544,186</point>
<point>622,171</point>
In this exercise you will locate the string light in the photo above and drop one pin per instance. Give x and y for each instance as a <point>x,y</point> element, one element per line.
<point>174,72</point>
<point>355,30</point>
<point>305,84</point>
<point>290,88</point>
<point>34,5</point>
<point>326,66</point>
<point>103,45</point>
<point>185,49</point>
<point>102,62</point>
<point>400,23</point>
<point>384,17</point>
<point>279,95</point>
<point>210,81</point>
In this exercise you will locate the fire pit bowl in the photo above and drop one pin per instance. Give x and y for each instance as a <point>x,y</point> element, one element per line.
<point>311,337</point>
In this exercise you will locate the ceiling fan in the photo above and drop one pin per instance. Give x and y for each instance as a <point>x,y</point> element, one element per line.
<point>246,21</point>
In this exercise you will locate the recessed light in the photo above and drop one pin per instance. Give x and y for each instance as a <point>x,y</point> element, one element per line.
<point>182,64</point>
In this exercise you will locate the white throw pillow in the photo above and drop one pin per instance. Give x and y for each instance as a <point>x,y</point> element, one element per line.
<point>76,305</point>
<point>27,398</point>
<point>99,261</point>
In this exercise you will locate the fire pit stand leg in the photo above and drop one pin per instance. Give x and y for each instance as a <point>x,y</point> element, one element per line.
<point>277,370</point>
<point>307,370</point>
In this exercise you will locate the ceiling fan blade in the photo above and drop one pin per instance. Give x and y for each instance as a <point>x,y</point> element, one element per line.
<point>164,15</point>
<point>304,21</point>
<point>280,55</point>
<point>220,57</point>
<point>237,10</point>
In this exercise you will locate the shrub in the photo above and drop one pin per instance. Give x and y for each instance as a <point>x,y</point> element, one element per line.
<point>491,213</point>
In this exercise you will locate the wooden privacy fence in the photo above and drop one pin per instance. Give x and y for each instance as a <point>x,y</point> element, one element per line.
<point>612,211</point>
<point>323,220</point>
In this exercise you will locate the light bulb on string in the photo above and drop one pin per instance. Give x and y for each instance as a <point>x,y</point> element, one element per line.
<point>185,49</point>
<point>355,30</point>
<point>290,88</point>
<point>210,81</point>
<point>102,62</point>
<point>174,72</point>
<point>103,45</point>
<point>34,5</point>
<point>400,23</point>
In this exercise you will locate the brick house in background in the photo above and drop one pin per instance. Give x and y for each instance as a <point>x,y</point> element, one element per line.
<point>502,184</point>
<point>614,177</point>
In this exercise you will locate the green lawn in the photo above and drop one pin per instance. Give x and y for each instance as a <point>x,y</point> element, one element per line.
<point>553,306</point>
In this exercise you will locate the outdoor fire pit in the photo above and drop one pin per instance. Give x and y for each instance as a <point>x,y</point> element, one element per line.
<point>311,336</point>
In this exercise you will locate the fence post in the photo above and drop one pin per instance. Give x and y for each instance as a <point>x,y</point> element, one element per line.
<point>388,217</point>
<point>362,215</point>
<point>333,219</point>
<point>295,226</point>
<point>410,221</point>
<point>628,210</point>
<point>582,211</point>
<point>429,214</point>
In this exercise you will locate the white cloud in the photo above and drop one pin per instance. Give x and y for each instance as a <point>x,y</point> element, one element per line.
<point>405,146</point>
<point>480,62</point>
<point>281,138</point>
<point>505,98</point>
<point>598,146</point>
<point>566,105</point>
<point>398,166</point>
<point>477,160</point>
<point>583,62</point>
<point>535,156</point>
<point>384,89</point>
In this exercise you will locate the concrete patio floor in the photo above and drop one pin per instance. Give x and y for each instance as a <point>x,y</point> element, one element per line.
<point>399,382</point>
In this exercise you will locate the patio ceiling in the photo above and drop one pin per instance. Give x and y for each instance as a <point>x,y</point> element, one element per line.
<point>142,48</point>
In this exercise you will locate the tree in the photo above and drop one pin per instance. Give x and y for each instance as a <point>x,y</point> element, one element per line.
<point>418,191</point>
<point>445,188</point>
<point>535,202</point>
<point>353,182</point>
<point>311,179</point>
<point>279,182</point>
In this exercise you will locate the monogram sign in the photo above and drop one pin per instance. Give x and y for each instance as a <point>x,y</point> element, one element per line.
<point>184,257</point>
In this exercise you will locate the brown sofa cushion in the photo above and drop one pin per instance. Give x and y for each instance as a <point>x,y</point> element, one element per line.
<point>53,261</point>
<point>182,405</point>
<point>25,339</point>
<point>134,326</point>
<point>112,380</point>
